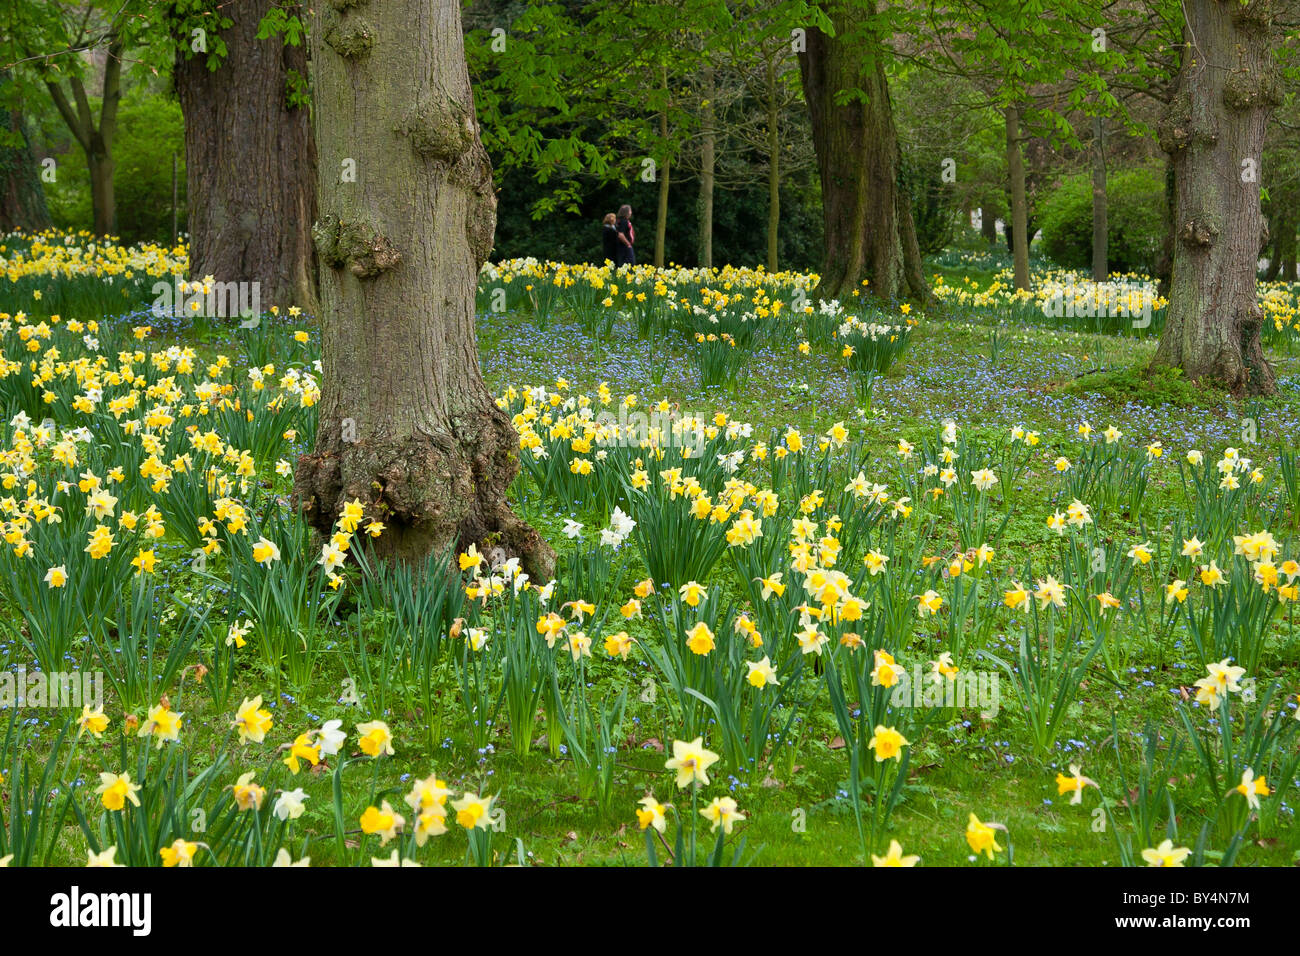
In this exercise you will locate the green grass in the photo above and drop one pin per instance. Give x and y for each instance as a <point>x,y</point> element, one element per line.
<point>1042,380</point>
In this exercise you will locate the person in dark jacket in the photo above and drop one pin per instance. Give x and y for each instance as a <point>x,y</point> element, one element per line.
<point>628,234</point>
<point>611,241</point>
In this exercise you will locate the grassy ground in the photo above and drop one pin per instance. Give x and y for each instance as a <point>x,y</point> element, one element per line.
<point>1039,379</point>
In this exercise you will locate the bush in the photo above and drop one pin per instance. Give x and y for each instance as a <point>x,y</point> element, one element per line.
<point>1135,216</point>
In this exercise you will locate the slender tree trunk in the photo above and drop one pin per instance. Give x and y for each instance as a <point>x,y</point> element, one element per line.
<point>1100,269</point>
<point>1286,248</point>
<point>1214,131</point>
<point>665,171</point>
<point>95,140</point>
<point>708,160</point>
<point>1019,225</point>
<point>857,159</point>
<point>988,225</point>
<point>407,425</point>
<point>1275,230</point>
<point>22,199</point>
<point>773,166</point>
<point>250,163</point>
<point>103,201</point>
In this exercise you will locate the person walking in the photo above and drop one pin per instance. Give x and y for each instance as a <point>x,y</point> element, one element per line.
<point>628,235</point>
<point>611,241</point>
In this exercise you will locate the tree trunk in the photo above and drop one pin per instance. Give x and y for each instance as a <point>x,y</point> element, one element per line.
<point>1214,131</point>
<point>1164,268</point>
<point>1286,248</point>
<point>250,163</point>
<point>988,225</point>
<point>1100,269</point>
<point>22,200</point>
<point>773,166</point>
<point>708,160</point>
<point>103,202</point>
<point>661,221</point>
<point>1018,232</point>
<point>1274,246</point>
<point>857,160</point>
<point>407,425</point>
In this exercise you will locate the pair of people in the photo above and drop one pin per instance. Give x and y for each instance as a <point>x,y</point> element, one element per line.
<point>619,237</point>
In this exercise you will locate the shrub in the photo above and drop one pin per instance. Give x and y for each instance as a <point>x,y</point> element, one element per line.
<point>1135,218</point>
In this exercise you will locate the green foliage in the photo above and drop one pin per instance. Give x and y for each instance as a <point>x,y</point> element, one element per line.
<point>1135,213</point>
<point>150,129</point>
<point>1157,385</point>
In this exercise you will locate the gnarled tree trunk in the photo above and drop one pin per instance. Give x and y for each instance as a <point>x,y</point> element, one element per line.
<point>1214,132</point>
<point>250,163</point>
<point>858,161</point>
<point>407,425</point>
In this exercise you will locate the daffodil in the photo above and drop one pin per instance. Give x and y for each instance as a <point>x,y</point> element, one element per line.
<point>894,857</point>
<point>1073,784</point>
<point>691,761</point>
<point>982,837</point>
<point>375,738</point>
<point>1166,854</point>
<point>115,790</point>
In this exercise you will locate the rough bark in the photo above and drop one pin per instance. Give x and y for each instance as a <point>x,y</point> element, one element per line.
<point>407,425</point>
<point>250,162</point>
<point>1100,269</point>
<point>1018,233</point>
<point>1214,132</point>
<point>856,144</point>
<point>22,199</point>
<point>1165,258</point>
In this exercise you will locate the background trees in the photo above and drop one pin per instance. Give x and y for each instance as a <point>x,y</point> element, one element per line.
<point>847,136</point>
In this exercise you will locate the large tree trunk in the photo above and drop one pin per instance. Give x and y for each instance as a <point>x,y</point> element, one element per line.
<point>708,160</point>
<point>22,200</point>
<point>773,166</point>
<point>1018,231</point>
<point>1100,269</point>
<point>857,159</point>
<point>407,425</point>
<point>250,163</point>
<point>1214,131</point>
